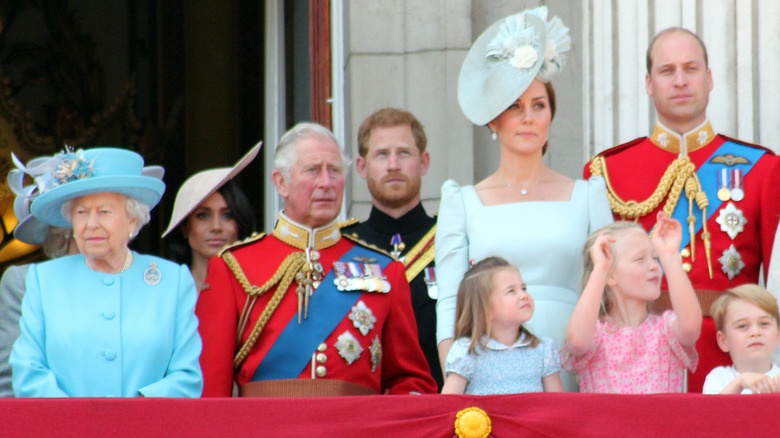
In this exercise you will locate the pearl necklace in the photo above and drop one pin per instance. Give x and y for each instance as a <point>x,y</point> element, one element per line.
<point>125,267</point>
<point>523,190</point>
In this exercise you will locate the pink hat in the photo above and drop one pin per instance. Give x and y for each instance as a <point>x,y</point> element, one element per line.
<point>203,184</point>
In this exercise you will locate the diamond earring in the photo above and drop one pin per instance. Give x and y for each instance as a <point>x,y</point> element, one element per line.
<point>494,136</point>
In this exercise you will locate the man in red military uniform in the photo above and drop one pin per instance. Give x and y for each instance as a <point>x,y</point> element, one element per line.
<point>305,311</point>
<point>723,191</point>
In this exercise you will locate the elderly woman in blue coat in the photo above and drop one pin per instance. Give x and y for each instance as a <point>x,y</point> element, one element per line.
<point>107,322</point>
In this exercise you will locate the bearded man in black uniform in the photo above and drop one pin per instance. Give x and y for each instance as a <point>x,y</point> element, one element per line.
<point>393,159</point>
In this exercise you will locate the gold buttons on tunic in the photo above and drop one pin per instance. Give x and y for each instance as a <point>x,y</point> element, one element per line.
<point>687,267</point>
<point>685,252</point>
<point>322,358</point>
<point>321,371</point>
<point>322,347</point>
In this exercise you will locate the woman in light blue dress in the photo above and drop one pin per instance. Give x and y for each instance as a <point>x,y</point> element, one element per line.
<point>525,212</point>
<point>108,322</point>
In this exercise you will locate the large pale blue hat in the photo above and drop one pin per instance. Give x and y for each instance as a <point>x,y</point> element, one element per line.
<point>84,172</point>
<point>506,58</point>
<point>29,229</point>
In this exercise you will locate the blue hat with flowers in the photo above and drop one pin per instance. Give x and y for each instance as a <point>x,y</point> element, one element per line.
<point>84,172</point>
<point>506,58</point>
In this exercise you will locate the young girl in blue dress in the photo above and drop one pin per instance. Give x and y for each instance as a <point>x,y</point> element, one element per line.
<point>493,352</point>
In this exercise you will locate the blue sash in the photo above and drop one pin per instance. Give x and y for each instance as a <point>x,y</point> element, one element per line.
<point>708,176</point>
<point>328,306</point>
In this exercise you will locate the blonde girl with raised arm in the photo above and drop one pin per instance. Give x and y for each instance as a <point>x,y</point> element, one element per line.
<point>613,340</point>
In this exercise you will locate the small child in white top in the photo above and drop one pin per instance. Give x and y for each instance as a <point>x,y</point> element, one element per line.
<point>493,353</point>
<point>747,320</point>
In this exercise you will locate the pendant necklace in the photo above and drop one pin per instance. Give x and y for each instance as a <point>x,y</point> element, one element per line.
<point>524,190</point>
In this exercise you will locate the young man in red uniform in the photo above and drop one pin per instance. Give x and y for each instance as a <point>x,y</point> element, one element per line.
<point>722,190</point>
<point>305,311</point>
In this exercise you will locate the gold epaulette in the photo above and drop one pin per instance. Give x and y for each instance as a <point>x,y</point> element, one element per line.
<point>348,222</point>
<point>355,239</point>
<point>255,237</point>
<point>421,254</point>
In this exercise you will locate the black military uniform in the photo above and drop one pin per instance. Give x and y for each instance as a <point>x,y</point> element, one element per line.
<point>417,231</point>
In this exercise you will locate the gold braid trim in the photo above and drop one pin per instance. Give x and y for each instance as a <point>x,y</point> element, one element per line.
<point>424,260</point>
<point>681,174</point>
<point>283,277</point>
<point>670,187</point>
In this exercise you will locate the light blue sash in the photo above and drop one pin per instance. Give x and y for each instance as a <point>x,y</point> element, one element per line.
<point>328,306</point>
<point>708,176</point>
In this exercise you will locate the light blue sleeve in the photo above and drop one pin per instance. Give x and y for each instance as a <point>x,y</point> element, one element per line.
<point>31,374</point>
<point>452,256</point>
<point>183,377</point>
<point>459,360</point>
<point>599,211</point>
<point>552,359</point>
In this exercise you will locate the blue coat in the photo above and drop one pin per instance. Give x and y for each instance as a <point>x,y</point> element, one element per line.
<point>89,334</point>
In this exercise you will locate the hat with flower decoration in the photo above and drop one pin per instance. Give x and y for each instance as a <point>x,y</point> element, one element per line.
<point>75,173</point>
<point>506,58</point>
<point>29,229</point>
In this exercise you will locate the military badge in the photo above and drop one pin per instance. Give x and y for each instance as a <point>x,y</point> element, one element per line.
<point>724,194</point>
<point>737,191</point>
<point>430,282</point>
<point>729,160</point>
<point>702,139</point>
<point>351,276</point>
<point>731,262</point>
<point>663,140</point>
<point>348,347</point>
<point>731,220</point>
<point>362,317</point>
<point>398,246</point>
<point>376,353</point>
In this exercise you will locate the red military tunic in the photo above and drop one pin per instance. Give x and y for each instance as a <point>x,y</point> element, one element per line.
<point>635,169</point>
<point>398,368</point>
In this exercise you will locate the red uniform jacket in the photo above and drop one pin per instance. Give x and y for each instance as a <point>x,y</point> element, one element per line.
<point>402,368</point>
<point>635,170</point>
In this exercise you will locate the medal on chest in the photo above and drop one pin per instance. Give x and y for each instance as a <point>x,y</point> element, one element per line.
<point>366,276</point>
<point>398,246</point>
<point>430,282</point>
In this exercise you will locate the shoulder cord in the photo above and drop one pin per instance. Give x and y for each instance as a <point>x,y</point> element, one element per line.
<point>283,277</point>
<point>681,174</point>
<point>672,183</point>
